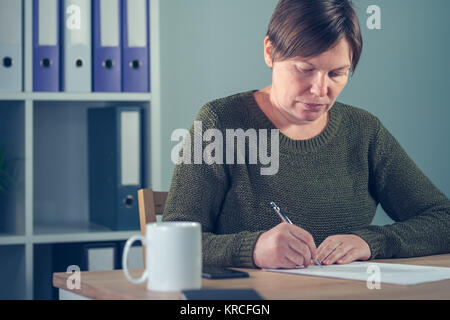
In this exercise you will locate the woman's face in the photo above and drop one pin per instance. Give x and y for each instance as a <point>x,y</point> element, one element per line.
<point>305,89</point>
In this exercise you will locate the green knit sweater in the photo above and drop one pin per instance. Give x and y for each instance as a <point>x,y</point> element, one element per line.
<point>330,184</point>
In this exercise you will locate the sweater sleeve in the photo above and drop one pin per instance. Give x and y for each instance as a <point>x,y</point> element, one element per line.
<point>197,193</point>
<point>420,210</point>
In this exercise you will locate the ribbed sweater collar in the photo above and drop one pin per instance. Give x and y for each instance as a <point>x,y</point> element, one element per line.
<point>286,143</point>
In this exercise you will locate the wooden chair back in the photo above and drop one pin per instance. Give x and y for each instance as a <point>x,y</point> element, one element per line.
<point>151,204</point>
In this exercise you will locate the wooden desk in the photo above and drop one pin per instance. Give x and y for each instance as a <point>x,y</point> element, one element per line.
<point>270,285</point>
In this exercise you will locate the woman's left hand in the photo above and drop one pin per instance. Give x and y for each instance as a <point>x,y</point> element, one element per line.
<point>342,249</point>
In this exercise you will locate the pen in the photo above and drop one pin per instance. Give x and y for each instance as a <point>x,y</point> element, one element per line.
<point>285,218</point>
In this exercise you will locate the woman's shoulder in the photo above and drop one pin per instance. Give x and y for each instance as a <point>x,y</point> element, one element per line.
<point>226,109</point>
<point>357,116</point>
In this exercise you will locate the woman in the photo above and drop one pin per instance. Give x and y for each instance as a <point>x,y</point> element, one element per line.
<point>336,162</point>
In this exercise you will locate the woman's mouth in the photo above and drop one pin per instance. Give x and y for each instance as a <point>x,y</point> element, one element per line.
<point>312,106</point>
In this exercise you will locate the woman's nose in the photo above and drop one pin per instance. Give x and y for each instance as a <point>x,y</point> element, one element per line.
<point>319,85</point>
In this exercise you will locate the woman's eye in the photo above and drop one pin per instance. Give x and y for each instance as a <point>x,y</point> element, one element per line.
<point>306,70</point>
<point>334,74</point>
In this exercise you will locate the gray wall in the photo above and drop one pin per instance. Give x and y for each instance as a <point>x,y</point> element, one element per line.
<point>403,79</point>
<point>209,49</point>
<point>214,48</point>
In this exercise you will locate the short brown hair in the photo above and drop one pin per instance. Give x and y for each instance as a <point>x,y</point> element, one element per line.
<point>307,28</point>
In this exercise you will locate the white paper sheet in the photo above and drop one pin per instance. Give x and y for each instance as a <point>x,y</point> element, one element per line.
<point>385,272</point>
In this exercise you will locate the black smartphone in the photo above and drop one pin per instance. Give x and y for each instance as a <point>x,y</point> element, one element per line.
<point>222,273</point>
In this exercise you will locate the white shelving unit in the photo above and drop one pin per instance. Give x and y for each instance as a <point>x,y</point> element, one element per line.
<point>47,135</point>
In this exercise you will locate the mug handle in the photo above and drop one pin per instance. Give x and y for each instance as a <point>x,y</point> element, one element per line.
<point>125,256</point>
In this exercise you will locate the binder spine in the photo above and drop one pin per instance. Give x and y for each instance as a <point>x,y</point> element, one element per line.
<point>107,63</point>
<point>129,168</point>
<point>11,45</point>
<point>45,57</point>
<point>135,60</point>
<point>76,46</point>
<point>102,163</point>
<point>115,171</point>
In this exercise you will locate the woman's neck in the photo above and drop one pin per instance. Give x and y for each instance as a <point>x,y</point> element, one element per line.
<point>295,131</point>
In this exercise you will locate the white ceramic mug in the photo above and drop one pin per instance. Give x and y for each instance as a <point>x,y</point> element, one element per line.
<point>173,256</point>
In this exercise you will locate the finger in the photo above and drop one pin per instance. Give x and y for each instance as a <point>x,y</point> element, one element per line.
<point>337,254</point>
<point>323,250</point>
<point>349,257</point>
<point>283,261</point>
<point>327,247</point>
<point>301,249</point>
<point>295,258</point>
<point>288,264</point>
<point>306,237</point>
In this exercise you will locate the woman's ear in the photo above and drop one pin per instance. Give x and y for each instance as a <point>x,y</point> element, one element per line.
<point>268,52</point>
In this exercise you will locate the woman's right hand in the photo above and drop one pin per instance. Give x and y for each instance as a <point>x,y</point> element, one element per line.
<point>284,246</point>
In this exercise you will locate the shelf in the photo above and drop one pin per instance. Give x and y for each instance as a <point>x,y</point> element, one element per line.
<point>13,96</point>
<point>90,96</point>
<point>61,196</point>
<point>76,96</point>
<point>82,232</point>
<point>45,138</point>
<point>11,239</point>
